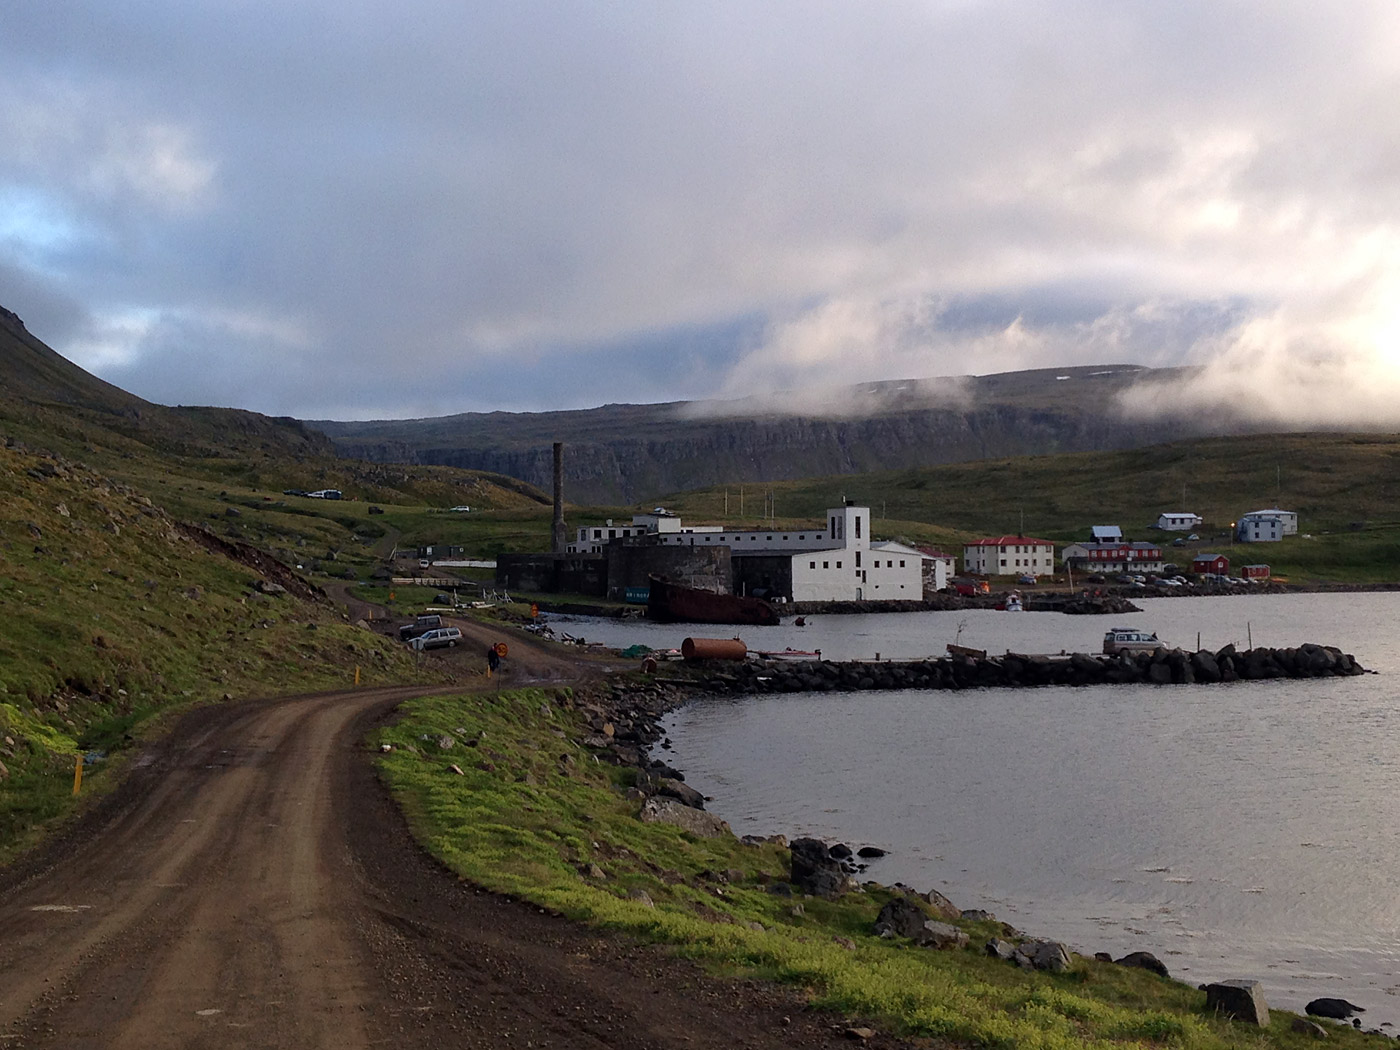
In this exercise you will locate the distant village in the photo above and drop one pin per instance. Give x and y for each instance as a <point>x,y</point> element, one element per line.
<point>839,560</point>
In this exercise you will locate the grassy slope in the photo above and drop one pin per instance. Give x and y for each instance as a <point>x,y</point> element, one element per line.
<point>111,616</point>
<point>521,820</point>
<point>1345,487</point>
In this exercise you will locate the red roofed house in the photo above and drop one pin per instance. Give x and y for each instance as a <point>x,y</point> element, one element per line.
<point>1216,563</point>
<point>1009,556</point>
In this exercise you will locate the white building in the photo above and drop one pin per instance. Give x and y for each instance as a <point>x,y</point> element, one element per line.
<point>1266,526</point>
<point>1178,521</point>
<point>591,539</point>
<point>1009,556</point>
<point>835,562</point>
<point>846,566</point>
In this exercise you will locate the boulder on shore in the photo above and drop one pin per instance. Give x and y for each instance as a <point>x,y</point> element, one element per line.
<point>902,917</point>
<point>659,810</point>
<point>815,871</point>
<point>1241,1000</point>
<point>1336,1009</point>
<point>1145,961</point>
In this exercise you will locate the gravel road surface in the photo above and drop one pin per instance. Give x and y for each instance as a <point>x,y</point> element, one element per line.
<point>251,885</point>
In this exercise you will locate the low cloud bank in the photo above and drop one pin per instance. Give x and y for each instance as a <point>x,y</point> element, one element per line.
<point>1331,362</point>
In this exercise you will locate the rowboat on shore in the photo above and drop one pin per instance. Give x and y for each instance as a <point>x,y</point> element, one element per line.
<point>966,650</point>
<point>791,654</point>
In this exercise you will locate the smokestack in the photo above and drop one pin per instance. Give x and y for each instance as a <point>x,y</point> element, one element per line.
<point>560,537</point>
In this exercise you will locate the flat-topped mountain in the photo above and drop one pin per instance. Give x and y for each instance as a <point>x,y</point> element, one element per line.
<point>620,454</point>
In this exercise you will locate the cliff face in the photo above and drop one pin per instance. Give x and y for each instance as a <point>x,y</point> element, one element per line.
<point>642,463</point>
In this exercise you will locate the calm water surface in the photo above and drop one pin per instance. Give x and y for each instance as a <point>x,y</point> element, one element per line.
<point>1244,830</point>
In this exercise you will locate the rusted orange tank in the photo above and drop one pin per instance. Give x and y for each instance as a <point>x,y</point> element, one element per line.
<point>714,649</point>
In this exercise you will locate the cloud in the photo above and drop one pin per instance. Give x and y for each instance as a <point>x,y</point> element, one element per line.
<point>1328,360</point>
<point>319,209</point>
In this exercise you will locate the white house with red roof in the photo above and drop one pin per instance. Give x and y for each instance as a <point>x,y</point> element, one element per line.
<point>1009,556</point>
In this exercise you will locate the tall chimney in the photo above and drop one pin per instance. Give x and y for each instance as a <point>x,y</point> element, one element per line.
<point>560,536</point>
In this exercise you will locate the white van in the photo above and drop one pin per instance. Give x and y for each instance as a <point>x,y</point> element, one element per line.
<point>1130,640</point>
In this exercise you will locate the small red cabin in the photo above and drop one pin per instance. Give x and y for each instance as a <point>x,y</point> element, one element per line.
<point>1216,563</point>
<point>1255,572</point>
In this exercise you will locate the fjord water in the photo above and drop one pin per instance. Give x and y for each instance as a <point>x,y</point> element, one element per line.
<point>1243,830</point>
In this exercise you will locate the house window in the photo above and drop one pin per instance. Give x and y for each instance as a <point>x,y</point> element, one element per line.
<point>811,565</point>
<point>801,537</point>
<point>838,565</point>
<point>597,534</point>
<point>826,565</point>
<point>784,537</point>
<point>857,526</point>
<point>901,565</point>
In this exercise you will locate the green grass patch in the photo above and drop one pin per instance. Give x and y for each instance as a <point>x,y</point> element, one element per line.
<point>534,815</point>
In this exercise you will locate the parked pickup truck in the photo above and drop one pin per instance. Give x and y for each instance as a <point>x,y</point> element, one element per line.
<point>421,625</point>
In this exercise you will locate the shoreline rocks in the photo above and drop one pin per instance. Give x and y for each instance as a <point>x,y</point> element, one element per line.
<point>624,718</point>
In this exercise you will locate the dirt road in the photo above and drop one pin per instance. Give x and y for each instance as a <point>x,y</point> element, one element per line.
<point>252,886</point>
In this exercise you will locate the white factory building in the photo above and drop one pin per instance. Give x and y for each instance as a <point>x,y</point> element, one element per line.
<point>833,562</point>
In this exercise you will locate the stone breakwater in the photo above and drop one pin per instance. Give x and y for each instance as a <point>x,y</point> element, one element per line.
<point>1163,667</point>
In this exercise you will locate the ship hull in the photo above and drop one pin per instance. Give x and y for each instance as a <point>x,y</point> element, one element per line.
<point>672,603</point>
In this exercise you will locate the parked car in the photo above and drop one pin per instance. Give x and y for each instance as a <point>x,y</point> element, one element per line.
<point>421,625</point>
<point>968,588</point>
<point>438,638</point>
<point>1130,640</point>
<point>1026,579</point>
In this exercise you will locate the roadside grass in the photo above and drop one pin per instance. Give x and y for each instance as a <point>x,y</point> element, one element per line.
<point>535,815</point>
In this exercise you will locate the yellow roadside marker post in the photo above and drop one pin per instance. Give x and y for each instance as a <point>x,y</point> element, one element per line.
<point>357,674</point>
<point>78,773</point>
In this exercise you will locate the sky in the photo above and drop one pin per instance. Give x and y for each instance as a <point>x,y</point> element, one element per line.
<point>359,209</point>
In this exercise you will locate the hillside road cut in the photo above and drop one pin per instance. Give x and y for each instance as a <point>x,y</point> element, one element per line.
<point>251,885</point>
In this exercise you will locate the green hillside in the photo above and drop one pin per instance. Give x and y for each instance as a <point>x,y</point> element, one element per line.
<point>114,611</point>
<point>1345,488</point>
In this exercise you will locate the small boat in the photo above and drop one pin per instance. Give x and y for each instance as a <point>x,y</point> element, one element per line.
<point>791,654</point>
<point>1012,603</point>
<point>966,650</point>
